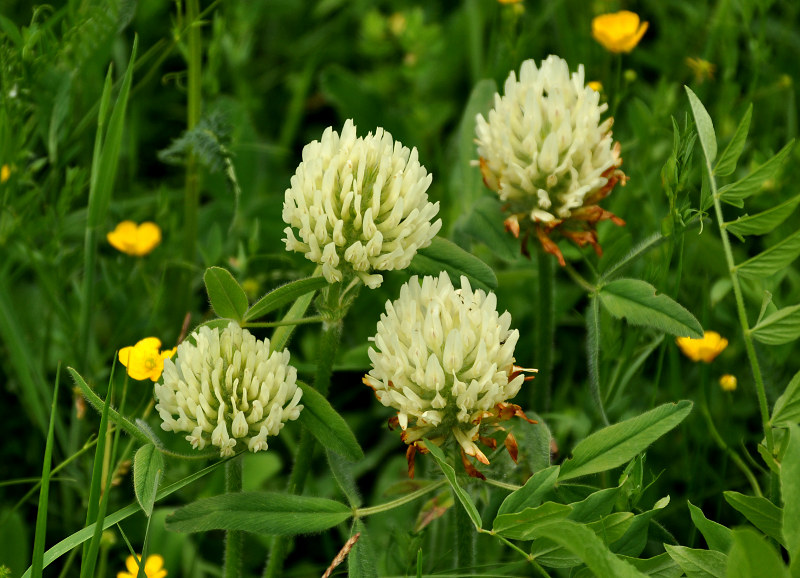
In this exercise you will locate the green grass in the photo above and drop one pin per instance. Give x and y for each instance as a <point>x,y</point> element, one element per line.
<point>193,115</point>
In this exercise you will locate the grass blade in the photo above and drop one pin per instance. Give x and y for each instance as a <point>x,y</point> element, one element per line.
<point>37,563</point>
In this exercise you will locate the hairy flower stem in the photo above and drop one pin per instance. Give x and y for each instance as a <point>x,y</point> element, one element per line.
<point>233,539</point>
<point>465,541</point>
<point>330,338</point>
<point>545,333</point>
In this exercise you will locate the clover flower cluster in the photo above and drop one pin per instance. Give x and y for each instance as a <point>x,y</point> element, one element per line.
<point>359,205</point>
<point>444,358</point>
<point>547,154</point>
<point>227,387</point>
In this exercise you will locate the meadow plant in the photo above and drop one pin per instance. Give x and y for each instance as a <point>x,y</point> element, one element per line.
<point>646,445</point>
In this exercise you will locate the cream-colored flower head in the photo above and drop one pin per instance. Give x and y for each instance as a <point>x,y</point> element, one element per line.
<point>444,359</point>
<point>548,155</point>
<point>359,204</point>
<point>227,387</point>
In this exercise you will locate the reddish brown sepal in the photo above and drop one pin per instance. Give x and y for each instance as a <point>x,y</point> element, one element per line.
<point>471,470</point>
<point>509,410</point>
<point>512,447</point>
<point>511,225</point>
<point>549,245</point>
<point>393,422</point>
<point>488,442</point>
<point>410,453</point>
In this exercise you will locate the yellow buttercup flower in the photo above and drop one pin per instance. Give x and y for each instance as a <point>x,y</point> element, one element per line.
<point>153,567</point>
<point>705,349</point>
<point>145,359</point>
<point>133,239</point>
<point>5,173</point>
<point>619,31</point>
<point>728,382</point>
<point>595,85</point>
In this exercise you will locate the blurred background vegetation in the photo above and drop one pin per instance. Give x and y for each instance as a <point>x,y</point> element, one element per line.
<point>274,75</point>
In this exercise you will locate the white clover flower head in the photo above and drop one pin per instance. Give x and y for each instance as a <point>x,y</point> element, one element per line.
<point>546,153</point>
<point>359,205</point>
<point>227,387</point>
<point>444,358</point>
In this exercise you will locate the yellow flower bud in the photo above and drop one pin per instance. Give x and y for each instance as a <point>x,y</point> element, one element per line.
<point>728,382</point>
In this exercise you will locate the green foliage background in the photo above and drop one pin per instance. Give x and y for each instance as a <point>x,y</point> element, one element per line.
<point>274,75</point>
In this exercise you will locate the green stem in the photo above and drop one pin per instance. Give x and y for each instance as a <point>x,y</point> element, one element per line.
<point>192,187</point>
<point>328,346</point>
<point>233,539</point>
<point>465,541</point>
<point>539,570</point>
<point>284,322</point>
<point>363,512</point>
<point>737,291</point>
<point>544,335</point>
<point>715,435</point>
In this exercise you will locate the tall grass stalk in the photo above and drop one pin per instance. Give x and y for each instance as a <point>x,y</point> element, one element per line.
<point>192,186</point>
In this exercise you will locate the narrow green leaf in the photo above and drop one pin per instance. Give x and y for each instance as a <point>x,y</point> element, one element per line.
<point>226,295</point>
<point>485,223</point>
<point>718,537</point>
<point>594,506</point>
<point>705,128</point>
<point>752,555</point>
<point>730,156</point>
<point>443,255</point>
<point>619,443</point>
<point>532,493</point>
<point>37,564</point>
<point>790,492</point>
<point>638,302</point>
<point>787,406</point>
<point>148,469</point>
<point>261,513</point>
<point>771,260</point>
<point>74,540</point>
<point>521,525</point>
<point>583,543</point>
<point>284,295</point>
<point>342,471</point>
<point>281,335</point>
<point>609,529</point>
<point>104,165</point>
<point>781,327</point>
<point>330,429</point>
<point>765,221</point>
<point>94,510</point>
<point>96,402</point>
<point>361,559</point>
<point>661,566</point>
<point>459,492</point>
<point>698,563</point>
<point>633,542</point>
<point>760,512</point>
<point>734,193</point>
